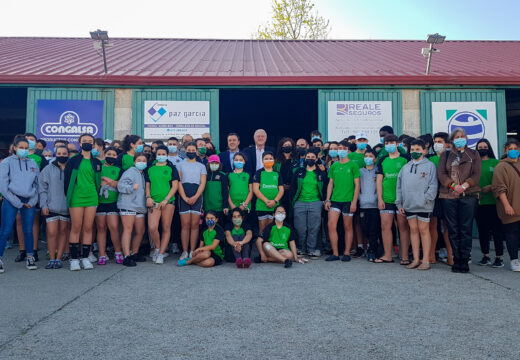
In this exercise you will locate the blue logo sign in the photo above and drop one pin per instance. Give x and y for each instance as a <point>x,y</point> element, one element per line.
<point>156,112</point>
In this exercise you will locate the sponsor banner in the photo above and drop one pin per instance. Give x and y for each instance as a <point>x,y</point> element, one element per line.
<point>478,119</point>
<point>68,119</point>
<point>346,118</point>
<point>164,119</point>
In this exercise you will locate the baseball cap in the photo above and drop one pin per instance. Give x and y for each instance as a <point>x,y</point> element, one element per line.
<point>214,158</point>
<point>361,135</point>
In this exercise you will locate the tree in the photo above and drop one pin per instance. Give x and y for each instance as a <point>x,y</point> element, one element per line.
<point>293,20</point>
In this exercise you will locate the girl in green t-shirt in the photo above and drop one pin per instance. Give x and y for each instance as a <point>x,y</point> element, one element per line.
<point>268,188</point>
<point>131,144</point>
<point>162,182</point>
<point>211,249</point>
<point>238,236</point>
<point>240,185</point>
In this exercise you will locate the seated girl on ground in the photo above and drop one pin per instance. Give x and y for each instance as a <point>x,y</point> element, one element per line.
<point>238,236</point>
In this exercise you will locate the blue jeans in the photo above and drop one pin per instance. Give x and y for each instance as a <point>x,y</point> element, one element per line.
<point>9,213</point>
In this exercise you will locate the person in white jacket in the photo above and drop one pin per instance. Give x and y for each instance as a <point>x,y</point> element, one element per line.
<point>416,191</point>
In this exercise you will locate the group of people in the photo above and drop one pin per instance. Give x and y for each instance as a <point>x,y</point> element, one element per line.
<point>261,204</point>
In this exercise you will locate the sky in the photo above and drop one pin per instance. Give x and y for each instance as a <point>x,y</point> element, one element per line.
<point>239,19</point>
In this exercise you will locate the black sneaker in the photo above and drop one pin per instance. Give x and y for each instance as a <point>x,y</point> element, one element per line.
<point>332,258</point>
<point>346,258</point>
<point>287,263</point>
<point>35,255</point>
<point>21,256</point>
<point>50,265</point>
<point>498,263</point>
<point>359,253</point>
<point>129,261</point>
<point>485,261</point>
<point>139,257</point>
<point>30,264</point>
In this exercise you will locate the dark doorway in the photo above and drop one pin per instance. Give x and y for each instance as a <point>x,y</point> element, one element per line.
<point>513,113</point>
<point>13,110</point>
<point>280,113</point>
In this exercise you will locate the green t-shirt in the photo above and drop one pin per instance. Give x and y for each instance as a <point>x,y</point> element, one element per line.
<point>161,178</point>
<point>85,193</point>
<point>37,159</point>
<point>343,176</point>
<point>358,158</point>
<point>209,236</point>
<point>279,238</point>
<point>111,172</point>
<point>486,178</point>
<point>390,169</point>
<point>269,182</point>
<point>434,159</point>
<point>310,188</point>
<point>239,187</point>
<point>128,162</point>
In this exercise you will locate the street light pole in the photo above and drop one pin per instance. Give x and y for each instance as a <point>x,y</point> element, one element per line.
<point>430,51</point>
<point>105,57</point>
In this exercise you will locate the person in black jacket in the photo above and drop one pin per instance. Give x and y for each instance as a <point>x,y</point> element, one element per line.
<point>254,152</point>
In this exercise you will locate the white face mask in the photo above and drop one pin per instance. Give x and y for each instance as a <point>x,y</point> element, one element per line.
<point>280,217</point>
<point>438,148</point>
<point>214,167</point>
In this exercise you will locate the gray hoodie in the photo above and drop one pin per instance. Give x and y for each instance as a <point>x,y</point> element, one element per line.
<point>417,186</point>
<point>50,187</point>
<point>130,199</point>
<point>19,178</point>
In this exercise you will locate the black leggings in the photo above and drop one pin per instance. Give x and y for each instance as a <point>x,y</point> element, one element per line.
<point>512,232</point>
<point>489,225</point>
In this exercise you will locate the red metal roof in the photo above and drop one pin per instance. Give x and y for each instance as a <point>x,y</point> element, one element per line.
<point>256,62</point>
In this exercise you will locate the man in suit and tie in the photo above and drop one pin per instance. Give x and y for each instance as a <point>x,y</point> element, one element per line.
<point>226,157</point>
<point>254,152</point>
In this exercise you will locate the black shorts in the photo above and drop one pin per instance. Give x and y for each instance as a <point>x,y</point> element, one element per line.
<point>107,209</point>
<point>389,209</point>
<point>437,209</point>
<point>264,215</point>
<point>421,216</point>
<point>55,217</point>
<point>342,207</point>
<point>217,258</point>
<point>185,208</point>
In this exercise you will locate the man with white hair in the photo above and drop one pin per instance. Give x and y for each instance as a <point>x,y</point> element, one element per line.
<point>254,152</point>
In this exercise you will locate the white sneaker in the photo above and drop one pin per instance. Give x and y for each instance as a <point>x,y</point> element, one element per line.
<point>74,265</point>
<point>159,259</point>
<point>2,268</point>
<point>175,249</point>
<point>443,253</point>
<point>515,265</point>
<point>86,264</point>
<point>154,255</point>
<point>91,257</point>
<point>184,255</point>
<point>190,255</point>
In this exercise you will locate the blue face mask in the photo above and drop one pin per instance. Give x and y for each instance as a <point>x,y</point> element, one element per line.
<point>460,143</point>
<point>54,151</point>
<point>32,144</point>
<point>391,148</point>
<point>513,154</point>
<point>315,138</point>
<point>238,164</point>
<point>333,153</point>
<point>401,145</point>
<point>139,148</point>
<point>362,146</point>
<point>382,140</point>
<point>162,158</point>
<point>172,149</point>
<point>22,153</point>
<point>342,154</point>
<point>210,222</point>
<point>140,165</point>
<point>369,161</point>
<point>95,152</point>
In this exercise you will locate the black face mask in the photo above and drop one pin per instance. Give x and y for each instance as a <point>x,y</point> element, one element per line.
<point>483,152</point>
<point>110,160</point>
<point>310,162</point>
<point>191,155</point>
<point>86,147</point>
<point>300,151</point>
<point>287,149</point>
<point>62,159</point>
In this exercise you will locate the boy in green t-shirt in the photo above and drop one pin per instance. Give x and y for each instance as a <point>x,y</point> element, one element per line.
<point>387,170</point>
<point>342,197</point>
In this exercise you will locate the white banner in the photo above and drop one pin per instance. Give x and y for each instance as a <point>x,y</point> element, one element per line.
<point>349,117</point>
<point>164,119</point>
<point>478,119</point>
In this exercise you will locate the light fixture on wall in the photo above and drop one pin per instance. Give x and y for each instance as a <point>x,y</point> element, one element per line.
<point>101,38</point>
<point>428,52</point>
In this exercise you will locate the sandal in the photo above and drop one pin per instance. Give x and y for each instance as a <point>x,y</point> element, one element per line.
<point>405,262</point>
<point>424,266</point>
<point>383,261</point>
<point>413,265</point>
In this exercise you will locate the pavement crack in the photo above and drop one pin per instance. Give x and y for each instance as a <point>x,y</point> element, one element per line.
<point>44,318</point>
<point>491,281</point>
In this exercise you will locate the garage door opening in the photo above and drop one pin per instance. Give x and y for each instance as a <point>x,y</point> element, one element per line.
<point>13,109</point>
<point>513,113</point>
<point>292,113</point>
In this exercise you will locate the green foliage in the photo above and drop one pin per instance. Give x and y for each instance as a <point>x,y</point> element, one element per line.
<point>293,20</point>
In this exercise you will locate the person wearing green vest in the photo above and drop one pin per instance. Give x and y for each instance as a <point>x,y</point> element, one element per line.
<point>216,193</point>
<point>277,242</point>
<point>238,237</point>
<point>387,170</point>
<point>82,184</point>
<point>162,182</point>
<point>342,197</point>
<point>107,213</point>
<point>268,188</point>
<point>240,185</point>
<point>308,189</point>
<point>211,249</point>
<point>132,144</point>
<point>488,223</point>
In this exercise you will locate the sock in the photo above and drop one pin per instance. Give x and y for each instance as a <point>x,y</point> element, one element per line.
<point>85,250</point>
<point>74,251</point>
<point>360,246</point>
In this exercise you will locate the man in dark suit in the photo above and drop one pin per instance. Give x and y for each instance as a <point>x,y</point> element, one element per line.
<point>254,152</point>
<point>226,157</point>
